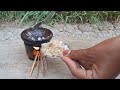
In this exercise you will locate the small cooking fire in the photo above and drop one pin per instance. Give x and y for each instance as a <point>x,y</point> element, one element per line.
<point>39,61</point>
<point>33,38</point>
<point>36,48</point>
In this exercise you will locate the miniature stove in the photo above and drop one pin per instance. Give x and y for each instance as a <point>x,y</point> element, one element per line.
<point>33,38</point>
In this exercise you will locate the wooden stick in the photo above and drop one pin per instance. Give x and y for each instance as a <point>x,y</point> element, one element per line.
<point>42,64</point>
<point>38,64</point>
<point>45,63</point>
<point>33,64</point>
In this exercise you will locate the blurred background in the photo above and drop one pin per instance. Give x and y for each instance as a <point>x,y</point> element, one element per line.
<point>50,17</point>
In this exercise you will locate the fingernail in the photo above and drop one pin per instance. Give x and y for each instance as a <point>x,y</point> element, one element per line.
<point>65,52</point>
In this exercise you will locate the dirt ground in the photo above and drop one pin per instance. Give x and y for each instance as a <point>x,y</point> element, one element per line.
<point>14,63</point>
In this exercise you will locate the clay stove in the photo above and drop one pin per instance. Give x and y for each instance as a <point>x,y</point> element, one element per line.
<point>33,38</point>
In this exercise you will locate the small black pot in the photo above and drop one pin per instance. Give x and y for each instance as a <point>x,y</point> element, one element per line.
<point>35,37</point>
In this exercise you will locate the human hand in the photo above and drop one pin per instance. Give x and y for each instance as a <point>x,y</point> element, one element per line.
<point>101,61</point>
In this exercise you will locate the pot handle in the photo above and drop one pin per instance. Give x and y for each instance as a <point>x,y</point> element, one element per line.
<point>37,25</point>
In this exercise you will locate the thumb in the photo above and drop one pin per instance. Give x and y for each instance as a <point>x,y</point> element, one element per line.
<point>74,68</point>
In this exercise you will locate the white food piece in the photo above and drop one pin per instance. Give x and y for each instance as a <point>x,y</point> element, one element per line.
<point>33,38</point>
<point>54,48</point>
<point>39,38</point>
<point>43,38</point>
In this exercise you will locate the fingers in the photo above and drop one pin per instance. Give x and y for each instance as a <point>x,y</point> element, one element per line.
<point>75,54</point>
<point>80,56</point>
<point>75,68</point>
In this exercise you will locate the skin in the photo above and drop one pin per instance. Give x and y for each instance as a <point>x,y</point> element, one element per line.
<point>101,61</point>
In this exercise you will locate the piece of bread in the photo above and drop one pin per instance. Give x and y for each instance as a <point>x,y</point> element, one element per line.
<point>54,48</point>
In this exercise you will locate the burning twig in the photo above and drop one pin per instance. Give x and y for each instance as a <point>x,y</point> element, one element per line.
<point>46,66</point>
<point>38,65</point>
<point>44,62</point>
<point>42,66</point>
<point>39,56</point>
<point>34,63</point>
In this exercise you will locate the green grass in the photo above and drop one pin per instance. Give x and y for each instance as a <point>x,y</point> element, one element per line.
<point>50,17</point>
